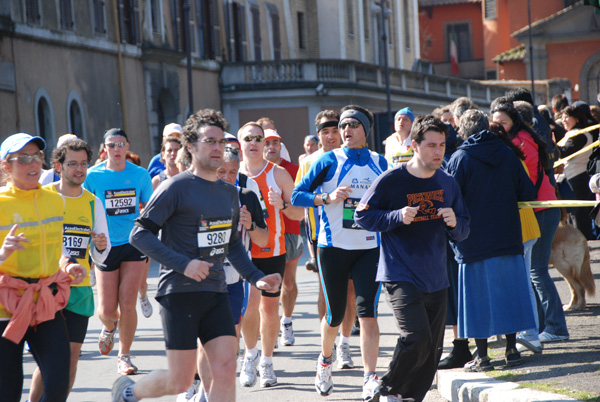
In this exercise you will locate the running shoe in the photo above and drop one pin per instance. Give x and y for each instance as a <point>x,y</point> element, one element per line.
<point>371,388</point>
<point>125,366</point>
<point>323,379</point>
<point>267,375</point>
<point>189,394</point>
<point>287,335</point>
<point>546,337</point>
<point>146,306</point>
<point>344,360</point>
<point>478,365</point>
<point>311,265</point>
<point>106,341</point>
<point>119,386</point>
<point>526,343</point>
<point>248,373</point>
<point>390,398</point>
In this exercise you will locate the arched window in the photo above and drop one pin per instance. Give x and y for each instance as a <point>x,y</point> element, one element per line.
<point>75,120</point>
<point>44,118</point>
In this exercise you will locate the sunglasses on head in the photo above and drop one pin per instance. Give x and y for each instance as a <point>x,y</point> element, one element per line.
<point>257,138</point>
<point>120,144</point>
<point>349,124</point>
<point>27,159</point>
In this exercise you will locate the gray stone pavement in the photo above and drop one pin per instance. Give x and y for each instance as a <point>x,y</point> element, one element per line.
<point>294,366</point>
<point>571,365</point>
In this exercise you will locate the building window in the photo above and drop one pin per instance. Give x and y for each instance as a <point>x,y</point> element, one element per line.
<point>32,12</point>
<point>490,75</point>
<point>489,9</point>
<point>66,15</point>
<point>210,30</point>
<point>44,117</point>
<point>301,30</point>
<point>75,120</point>
<point>463,41</point>
<point>99,23</point>
<point>350,16</point>
<point>406,23</point>
<point>238,34</point>
<point>276,35</point>
<point>255,12</point>
<point>366,18</point>
<point>156,11</point>
<point>129,21</point>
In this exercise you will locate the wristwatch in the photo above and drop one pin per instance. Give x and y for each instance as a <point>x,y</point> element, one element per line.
<point>324,198</point>
<point>252,227</point>
<point>285,205</point>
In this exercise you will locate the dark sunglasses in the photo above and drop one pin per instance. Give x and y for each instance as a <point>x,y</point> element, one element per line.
<point>257,138</point>
<point>120,144</point>
<point>350,124</point>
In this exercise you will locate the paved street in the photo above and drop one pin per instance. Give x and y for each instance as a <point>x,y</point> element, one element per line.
<point>294,366</point>
<point>571,365</point>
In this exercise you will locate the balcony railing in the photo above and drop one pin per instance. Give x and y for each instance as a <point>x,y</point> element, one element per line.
<point>250,76</point>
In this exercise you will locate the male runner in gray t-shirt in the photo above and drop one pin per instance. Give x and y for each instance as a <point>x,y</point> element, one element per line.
<point>198,215</point>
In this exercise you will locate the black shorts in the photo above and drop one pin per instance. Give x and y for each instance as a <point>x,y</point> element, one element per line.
<point>268,266</point>
<point>119,254</point>
<point>189,316</point>
<point>336,267</point>
<point>77,326</point>
<point>235,293</point>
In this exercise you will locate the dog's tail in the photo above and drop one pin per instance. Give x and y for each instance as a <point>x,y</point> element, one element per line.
<point>586,276</point>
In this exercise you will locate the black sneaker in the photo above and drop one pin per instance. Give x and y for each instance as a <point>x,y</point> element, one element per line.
<point>458,357</point>
<point>513,358</point>
<point>311,265</point>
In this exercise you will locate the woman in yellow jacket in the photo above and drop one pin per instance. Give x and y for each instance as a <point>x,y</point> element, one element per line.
<point>35,273</point>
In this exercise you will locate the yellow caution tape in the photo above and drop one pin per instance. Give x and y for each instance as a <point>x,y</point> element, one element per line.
<point>581,151</point>
<point>557,204</point>
<point>564,140</point>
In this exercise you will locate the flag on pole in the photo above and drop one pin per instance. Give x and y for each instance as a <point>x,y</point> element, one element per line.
<point>453,52</point>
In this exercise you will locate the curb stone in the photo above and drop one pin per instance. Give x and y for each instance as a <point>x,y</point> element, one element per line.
<point>458,386</point>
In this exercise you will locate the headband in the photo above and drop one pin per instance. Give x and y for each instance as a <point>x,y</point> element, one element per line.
<point>358,115</point>
<point>330,123</point>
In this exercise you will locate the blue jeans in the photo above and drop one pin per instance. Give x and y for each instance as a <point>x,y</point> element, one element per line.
<point>553,318</point>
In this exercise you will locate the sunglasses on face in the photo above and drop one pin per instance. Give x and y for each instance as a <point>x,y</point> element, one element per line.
<point>257,138</point>
<point>116,144</point>
<point>212,141</point>
<point>350,124</point>
<point>27,159</point>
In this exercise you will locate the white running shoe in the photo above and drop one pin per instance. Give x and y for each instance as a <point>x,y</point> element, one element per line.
<point>287,334</point>
<point>547,337</point>
<point>189,394</point>
<point>390,398</point>
<point>267,375</point>
<point>344,360</point>
<point>323,379</point>
<point>371,388</point>
<point>248,372</point>
<point>145,306</point>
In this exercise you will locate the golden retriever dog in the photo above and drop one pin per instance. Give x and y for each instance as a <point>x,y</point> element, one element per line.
<point>571,256</point>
